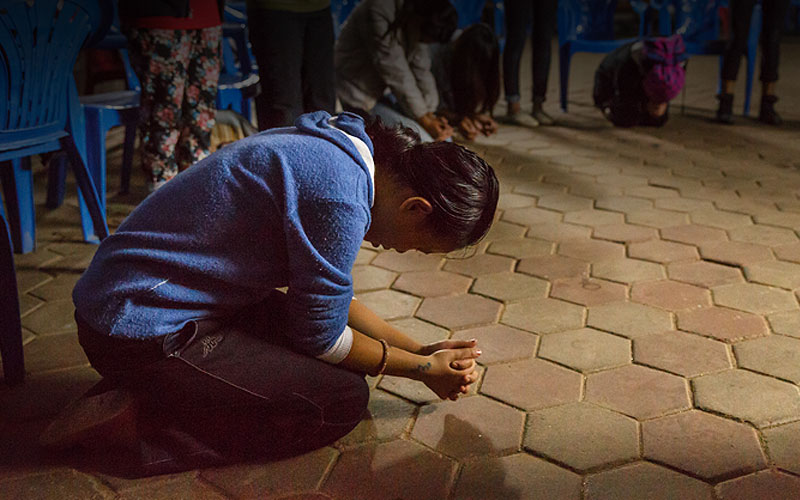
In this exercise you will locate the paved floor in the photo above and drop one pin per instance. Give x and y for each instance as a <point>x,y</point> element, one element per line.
<point>635,301</point>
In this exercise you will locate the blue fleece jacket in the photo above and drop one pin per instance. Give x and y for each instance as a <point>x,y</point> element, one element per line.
<point>286,207</point>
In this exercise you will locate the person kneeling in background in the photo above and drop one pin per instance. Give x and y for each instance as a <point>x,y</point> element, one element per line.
<point>634,84</point>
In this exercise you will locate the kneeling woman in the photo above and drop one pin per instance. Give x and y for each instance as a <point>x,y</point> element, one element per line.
<point>634,84</point>
<point>179,310</point>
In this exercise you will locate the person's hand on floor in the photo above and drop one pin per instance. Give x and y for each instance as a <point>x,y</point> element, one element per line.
<point>468,128</point>
<point>437,126</point>
<point>485,124</point>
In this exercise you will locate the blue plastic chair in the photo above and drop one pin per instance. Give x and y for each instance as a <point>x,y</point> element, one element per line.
<point>101,112</point>
<point>238,77</point>
<point>587,26</point>
<point>39,113</point>
<point>698,22</point>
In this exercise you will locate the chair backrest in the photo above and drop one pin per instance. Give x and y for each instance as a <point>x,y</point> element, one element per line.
<point>39,43</point>
<point>698,20</point>
<point>586,19</point>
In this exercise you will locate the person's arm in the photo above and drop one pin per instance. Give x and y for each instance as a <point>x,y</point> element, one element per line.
<point>447,372</point>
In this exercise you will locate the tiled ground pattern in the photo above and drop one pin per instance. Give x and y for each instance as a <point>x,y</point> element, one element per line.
<point>636,302</point>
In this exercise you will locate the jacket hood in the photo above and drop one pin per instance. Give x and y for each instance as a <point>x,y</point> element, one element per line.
<point>321,124</point>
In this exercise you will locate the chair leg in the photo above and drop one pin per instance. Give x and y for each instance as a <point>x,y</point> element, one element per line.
<point>564,56</point>
<point>18,190</point>
<point>127,157</point>
<point>11,332</point>
<point>87,189</point>
<point>96,167</point>
<point>56,177</point>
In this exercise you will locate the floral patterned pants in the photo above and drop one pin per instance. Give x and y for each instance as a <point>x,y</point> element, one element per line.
<point>179,73</point>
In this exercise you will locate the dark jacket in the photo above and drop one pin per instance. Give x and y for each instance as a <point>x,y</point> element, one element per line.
<point>134,9</point>
<point>618,90</point>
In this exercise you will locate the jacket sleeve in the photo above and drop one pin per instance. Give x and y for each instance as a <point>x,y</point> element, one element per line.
<point>420,63</point>
<point>322,240</point>
<point>390,58</point>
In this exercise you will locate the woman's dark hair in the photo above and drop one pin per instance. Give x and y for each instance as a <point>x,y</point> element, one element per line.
<point>475,72</point>
<point>459,184</point>
<point>439,19</point>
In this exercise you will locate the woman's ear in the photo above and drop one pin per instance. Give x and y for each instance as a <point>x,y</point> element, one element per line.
<point>416,205</point>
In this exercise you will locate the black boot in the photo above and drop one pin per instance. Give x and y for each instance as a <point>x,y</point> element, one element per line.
<point>725,109</point>
<point>768,114</point>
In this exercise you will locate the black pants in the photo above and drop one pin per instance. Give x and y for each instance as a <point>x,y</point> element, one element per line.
<point>220,392</point>
<point>773,16</point>
<point>294,52</point>
<point>519,14</point>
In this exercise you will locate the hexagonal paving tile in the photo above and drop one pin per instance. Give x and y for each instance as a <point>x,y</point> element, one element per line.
<point>389,304</point>
<point>478,265</point>
<point>51,318</point>
<point>521,248</point>
<point>432,283</point>
<point>397,469</point>
<point>586,349</point>
<point>774,355</point>
<point>782,219</point>
<point>500,343</point>
<point>469,427</point>
<point>562,202</point>
<point>531,216</point>
<point>692,234</point>
<point>657,218</point>
<point>543,315</point>
<point>703,273</point>
<point>773,272</point>
<point>628,270</point>
<point>646,481</point>
<point>783,445</point>
<point>419,330</point>
<point>622,203</point>
<point>629,319</point>
<point>586,291</point>
<point>582,436</point>
<point>703,445</point>
<point>459,311</point>
<point>747,396</point>
<point>624,233</point>
<point>56,483</point>
<point>54,351</point>
<point>387,419</point>
<point>593,217</point>
<point>409,261</point>
<point>281,478</point>
<point>662,251</point>
<point>502,230</point>
<point>559,231</point>
<point>510,286</point>
<point>681,353</point>
<point>758,299</point>
<point>723,324</point>
<point>512,476</point>
<point>553,267</point>
<point>670,295</point>
<point>638,391</point>
<point>734,252</point>
<point>763,235</point>
<point>786,323</point>
<point>764,485</point>
<point>788,252</point>
<point>365,256</point>
<point>591,250</point>
<point>683,204</point>
<point>652,192</point>
<point>720,219</point>
<point>58,288</point>
<point>371,278</point>
<point>532,384</point>
<point>508,200</point>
